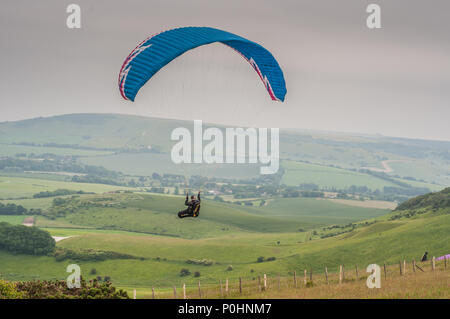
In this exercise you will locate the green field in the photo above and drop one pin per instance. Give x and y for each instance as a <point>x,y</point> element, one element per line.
<point>13,150</point>
<point>20,188</point>
<point>324,176</point>
<point>226,235</point>
<point>379,243</point>
<point>12,219</point>
<point>148,163</point>
<point>116,140</point>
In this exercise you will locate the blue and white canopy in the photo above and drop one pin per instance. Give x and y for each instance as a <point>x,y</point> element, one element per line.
<point>158,50</point>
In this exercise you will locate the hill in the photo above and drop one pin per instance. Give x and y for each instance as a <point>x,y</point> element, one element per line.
<point>114,141</point>
<point>245,243</point>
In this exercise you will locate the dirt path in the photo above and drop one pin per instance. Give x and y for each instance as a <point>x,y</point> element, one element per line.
<point>58,238</point>
<point>29,222</point>
<point>386,168</point>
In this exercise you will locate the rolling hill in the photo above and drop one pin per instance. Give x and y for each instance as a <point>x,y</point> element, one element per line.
<point>114,141</point>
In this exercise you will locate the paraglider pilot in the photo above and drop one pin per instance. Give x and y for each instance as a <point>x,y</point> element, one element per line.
<point>193,205</point>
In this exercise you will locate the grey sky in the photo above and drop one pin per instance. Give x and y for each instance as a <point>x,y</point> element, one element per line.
<point>340,75</point>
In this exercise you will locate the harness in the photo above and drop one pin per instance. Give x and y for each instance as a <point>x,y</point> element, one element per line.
<point>196,209</point>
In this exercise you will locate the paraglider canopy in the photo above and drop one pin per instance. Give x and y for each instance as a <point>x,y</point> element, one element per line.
<point>158,50</point>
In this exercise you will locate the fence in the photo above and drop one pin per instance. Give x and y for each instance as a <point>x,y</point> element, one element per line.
<point>259,284</point>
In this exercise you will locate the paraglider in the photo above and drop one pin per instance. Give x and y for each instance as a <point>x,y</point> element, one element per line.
<point>158,50</point>
<point>193,205</point>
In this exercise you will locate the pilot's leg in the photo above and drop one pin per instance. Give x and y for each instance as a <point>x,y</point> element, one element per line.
<point>183,213</point>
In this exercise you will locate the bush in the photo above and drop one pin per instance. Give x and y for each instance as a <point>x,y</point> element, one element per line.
<point>203,262</point>
<point>197,274</point>
<point>229,268</point>
<point>184,272</point>
<point>20,239</point>
<point>260,259</point>
<point>12,209</point>
<point>8,291</point>
<point>271,259</point>
<point>61,254</point>
<point>59,290</point>
<point>93,271</point>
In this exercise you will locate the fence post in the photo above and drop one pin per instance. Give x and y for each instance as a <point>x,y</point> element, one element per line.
<point>153,292</point>
<point>310,276</point>
<point>184,291</point>
<point>240,285</point>
<point>385,274</point>
<point>433,263</point>
<point>304,277</point>
<point>404,266</point>
<point>175,292</point>
<point>226,287</point>
<point>356,268</point>
<point>259,283</point>
<point>221,291</point>
<point>343,272</point>
<point>400,265</point>
<point>199,290</point>
<point>295,279</point>
<point>340,274</point>
<point>134,293</point>
<point>326,274</point>
<point>265,282</point>
<point>414,265</point>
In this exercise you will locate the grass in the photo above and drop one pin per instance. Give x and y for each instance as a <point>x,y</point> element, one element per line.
<point>156,214</point>
<point>13,219</point>
<point>410,285</point>
<point>324,176</point>
<point>318,212</point>
<point>420,159</point>
<point>147,164</point>
<point>164,257</point>
<point>20,188</point>
<point>12,150</point>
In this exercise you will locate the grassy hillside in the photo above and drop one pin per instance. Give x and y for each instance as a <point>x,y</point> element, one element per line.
<point>21,188</point>
<point>157,214</point>
<point>239,243</point>
<point>271,232</point>
<point>112,140</point>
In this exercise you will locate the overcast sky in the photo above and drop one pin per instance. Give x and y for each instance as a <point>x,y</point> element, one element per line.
<point>340,75</point>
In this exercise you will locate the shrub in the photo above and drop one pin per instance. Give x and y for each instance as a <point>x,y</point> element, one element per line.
<point>271,259</point>
<point>59,290</point>
<point>61,254</point>
<point>8,291</point>
<point>260,259</point>
<point>229,268</point>
<point>203,262</point>
<point>184,272</point>
<point>20,239</point>
<point>197,274</point>
<point>93,271</point>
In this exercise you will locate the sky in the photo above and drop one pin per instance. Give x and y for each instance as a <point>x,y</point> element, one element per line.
<point>340,75</point>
